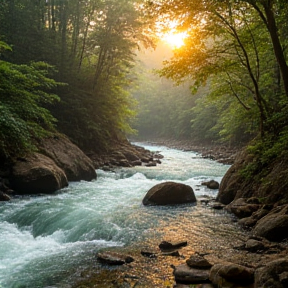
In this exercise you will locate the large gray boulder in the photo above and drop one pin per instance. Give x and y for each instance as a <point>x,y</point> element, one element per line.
<point>76,165</point>
<point>36,174</point>
<point>169,193</point>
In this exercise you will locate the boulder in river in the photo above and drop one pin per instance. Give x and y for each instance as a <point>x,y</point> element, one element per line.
<point>37,174</point>
<point>212,184</point>
<point>169,193</point>
<point>4,197</point>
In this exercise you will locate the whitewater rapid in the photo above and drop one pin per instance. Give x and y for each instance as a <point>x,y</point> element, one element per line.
<point>45,239</point>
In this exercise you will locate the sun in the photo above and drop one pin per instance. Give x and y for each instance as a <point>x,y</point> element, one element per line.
<point>174,39</point>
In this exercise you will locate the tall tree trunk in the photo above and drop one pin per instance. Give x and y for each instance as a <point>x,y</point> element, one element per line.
<point>270,22</point>
<point>278,50</point>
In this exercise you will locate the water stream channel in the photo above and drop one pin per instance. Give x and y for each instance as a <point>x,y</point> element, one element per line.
<point>48,241</point>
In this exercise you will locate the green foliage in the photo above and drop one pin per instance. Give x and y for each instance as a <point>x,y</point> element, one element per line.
<point>265,151</point>
<point>232,50</point>
<point>23,94</point>
<point>91,44</point>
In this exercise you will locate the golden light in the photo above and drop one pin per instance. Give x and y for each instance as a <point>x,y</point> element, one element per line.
<point>174,39</point>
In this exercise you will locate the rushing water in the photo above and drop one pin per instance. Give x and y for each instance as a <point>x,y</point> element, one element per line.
<point>42,239</point>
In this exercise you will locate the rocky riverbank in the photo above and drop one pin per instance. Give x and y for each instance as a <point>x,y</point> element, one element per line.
<point>58,161</point>
<point>221,153</point>
<point>177,261</point>
<point>258,260</point>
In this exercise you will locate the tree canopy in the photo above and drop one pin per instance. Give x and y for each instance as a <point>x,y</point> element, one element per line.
<point>238,49</point>
<point>92,46</point>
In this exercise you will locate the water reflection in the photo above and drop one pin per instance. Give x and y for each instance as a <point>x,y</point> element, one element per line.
<point>208,232</point>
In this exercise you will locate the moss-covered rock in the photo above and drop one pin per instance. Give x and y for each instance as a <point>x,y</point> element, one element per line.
<point>247,178</point>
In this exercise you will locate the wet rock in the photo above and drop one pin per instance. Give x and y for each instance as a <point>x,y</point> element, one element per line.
<point>136,163</point>
<point>274,274</point>
<point>4,197</point>
<point>167,245</point>
<point>124,154</point>
<point>283,278</point>
<point>171,253</point>
<point>273,226</point>
<point>224,274</point>
<point>169,193</point>
<point>185,274</point>
<point>37,174</point>
<point>151,164</point>
<point>149,253</point>
<point>205,285</point>
<point>253,200</point>
<point>217,206</point>
<point>257,215</point>
<point>241,208</point>
<point>253,245</point>
<point>212,184</point>
<point>197,261</point>
<point>114,258</point>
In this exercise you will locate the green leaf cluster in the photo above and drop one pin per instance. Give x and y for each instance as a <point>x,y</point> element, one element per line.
<point>24,92</point>
<point>92,45</point>
<point>237,49</point>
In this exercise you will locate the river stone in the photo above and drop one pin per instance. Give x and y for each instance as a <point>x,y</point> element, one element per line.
<point>114,258</point>
<point>253,245</point>
<point>212,184</point>
<point>231,272</point>
<point>241,208</point>
<point>274,274</point>
<point>36,174</point>
<point>169,193</point>
<point>204,285</point>
<point>273,227</point>
<point>168,245</point>
<point>197,261</point>
<point>4,197</point>
<point>185,274</point>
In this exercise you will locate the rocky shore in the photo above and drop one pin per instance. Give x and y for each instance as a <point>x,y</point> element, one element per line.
<point>58,161</point>
<point>221,153</point>
<point>258,260</point>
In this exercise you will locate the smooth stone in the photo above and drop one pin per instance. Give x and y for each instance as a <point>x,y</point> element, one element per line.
<point>185,274</point>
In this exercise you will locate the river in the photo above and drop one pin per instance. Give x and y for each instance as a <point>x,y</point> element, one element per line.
<point>45,240</point>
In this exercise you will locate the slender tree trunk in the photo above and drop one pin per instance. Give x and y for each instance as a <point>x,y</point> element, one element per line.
<point>49,14</point>
<point>278,50</point>
<point>53,15</point>
<point>270,22</point>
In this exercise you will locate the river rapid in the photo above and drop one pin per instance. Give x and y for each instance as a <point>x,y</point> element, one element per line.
<point>45,241</point>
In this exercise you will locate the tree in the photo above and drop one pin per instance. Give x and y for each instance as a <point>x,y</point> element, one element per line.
<point>91,44</point>
<point>24,92</point>
<point>228,40</point>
